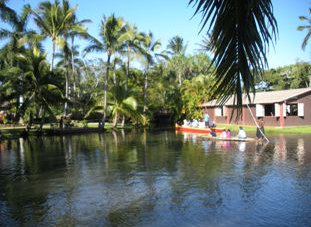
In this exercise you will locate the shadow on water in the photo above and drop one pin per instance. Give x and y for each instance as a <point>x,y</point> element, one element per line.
<point>154,177</point>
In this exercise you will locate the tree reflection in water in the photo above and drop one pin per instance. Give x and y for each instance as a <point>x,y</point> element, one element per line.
<point>154,177</point>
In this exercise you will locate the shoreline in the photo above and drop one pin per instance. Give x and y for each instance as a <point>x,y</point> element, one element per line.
<point>14,132</point>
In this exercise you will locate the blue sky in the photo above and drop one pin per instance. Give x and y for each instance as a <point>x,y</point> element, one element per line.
<point>167,18</point>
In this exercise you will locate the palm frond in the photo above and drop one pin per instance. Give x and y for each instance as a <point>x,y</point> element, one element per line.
<point>240,35</point>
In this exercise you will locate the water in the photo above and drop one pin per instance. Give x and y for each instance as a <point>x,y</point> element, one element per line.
<point>154,179</point>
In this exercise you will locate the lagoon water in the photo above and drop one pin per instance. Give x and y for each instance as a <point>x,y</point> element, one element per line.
<point>155,178</point>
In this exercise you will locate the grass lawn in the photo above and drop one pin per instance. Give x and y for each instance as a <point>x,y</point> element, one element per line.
<point>276,130</point>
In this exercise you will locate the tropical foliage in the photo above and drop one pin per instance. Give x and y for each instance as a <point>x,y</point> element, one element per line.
<point>133,79</point>
<point>307,28</point>
<point>240,32</point>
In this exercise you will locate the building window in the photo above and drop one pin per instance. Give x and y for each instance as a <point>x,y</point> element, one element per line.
<point>269,110</point>
<point>219,111</point>
<point>292,109</point>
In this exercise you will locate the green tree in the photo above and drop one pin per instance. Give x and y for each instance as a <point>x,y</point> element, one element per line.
<point>150,47</point>
<point>41,88</point>
<point>181,66</point>
<point>193,93</point>
<point>287,77</point>
<point>112,34</point>
<point>119,104</point>
<point>132,45</point>
<point>14,34</point>
<point>176,46</point>
<point>74,28</point>
<point>53,19</point>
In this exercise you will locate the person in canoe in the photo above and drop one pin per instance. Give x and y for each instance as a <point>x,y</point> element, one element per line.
<point>228,132</point>
<point>242,133</point>
<point>223,134</point>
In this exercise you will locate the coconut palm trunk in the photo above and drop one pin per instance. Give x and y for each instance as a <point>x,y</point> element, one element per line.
<point>145,91</point>
<point>127,68</point>
<point>42,120</point>
<point>53,55</point>
<point>115,120</point>
<point>66,94</point>
<point>179,79</point>
<point>102,123</point>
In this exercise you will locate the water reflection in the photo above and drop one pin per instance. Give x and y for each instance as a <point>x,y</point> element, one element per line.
<point>158,178</point>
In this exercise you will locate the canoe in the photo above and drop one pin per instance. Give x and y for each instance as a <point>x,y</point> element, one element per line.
<point>197,130</point>
<point>232,139</point>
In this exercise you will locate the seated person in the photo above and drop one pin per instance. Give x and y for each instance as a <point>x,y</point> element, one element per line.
<point>213,133</point>
<point>186,123</point>
<point>195,123</point>
<point>201,124</point>
<point>223,135</point>
<point>242,133</point>
<point>228,134</point>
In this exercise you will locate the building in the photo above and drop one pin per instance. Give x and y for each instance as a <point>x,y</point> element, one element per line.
<point>277,108</point>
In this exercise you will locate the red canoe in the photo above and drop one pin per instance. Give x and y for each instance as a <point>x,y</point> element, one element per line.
<point>189,129</point>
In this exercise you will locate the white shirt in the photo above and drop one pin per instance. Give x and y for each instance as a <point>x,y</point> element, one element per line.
<point>242,134</point>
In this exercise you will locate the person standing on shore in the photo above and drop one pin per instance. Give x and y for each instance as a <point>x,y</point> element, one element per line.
<point>206,119</point>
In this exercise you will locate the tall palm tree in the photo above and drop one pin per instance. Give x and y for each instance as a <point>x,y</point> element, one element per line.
<point>131,46</point>
<point>176,46</point>
<point>240,35</point>
<point>18,24</point>
<point>305,27</point>
<point>112,34</point>
<point>73,28</point>
<point>149,49</point>
<point>52,19</point>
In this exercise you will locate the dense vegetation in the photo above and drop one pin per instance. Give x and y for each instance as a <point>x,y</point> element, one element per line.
<point>134,80</point>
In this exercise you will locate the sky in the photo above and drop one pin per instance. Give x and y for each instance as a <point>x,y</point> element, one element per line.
<point>168,18</point>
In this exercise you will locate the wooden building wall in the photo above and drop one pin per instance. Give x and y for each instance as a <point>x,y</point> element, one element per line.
<point>246,118</point>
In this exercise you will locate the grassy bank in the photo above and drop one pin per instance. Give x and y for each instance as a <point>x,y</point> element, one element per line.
<point>275,130</point>
<point>19,131</point>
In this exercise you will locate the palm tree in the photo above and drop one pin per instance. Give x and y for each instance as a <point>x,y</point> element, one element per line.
<point>41,85</point>
<point>205,45</point>
<point>177,49</point>
<point>181,65</point>
<point>74,28</point>
<point>176,46</point>
<point>240,35</point>
<point>305,27</point>
<point>119,104</point>
<point>132,45</point>
<point>18,24</point>
<point>115,62</point>
<point>112,34</point>
<point>53,19</point>
<point>122,104</point>
<point>149,50</point>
